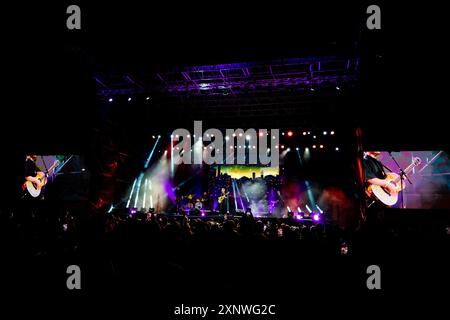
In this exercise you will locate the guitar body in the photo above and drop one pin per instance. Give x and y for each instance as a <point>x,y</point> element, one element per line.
<point>382,194</point>
<point>222,197</point>
<point>35,189</point>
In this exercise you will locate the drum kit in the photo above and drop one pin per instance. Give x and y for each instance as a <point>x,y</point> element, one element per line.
<point>192,205</point>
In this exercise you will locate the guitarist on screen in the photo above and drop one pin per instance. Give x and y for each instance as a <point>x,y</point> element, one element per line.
<point>374,174</point>
<point>35,179</point>
<point>32,172</point>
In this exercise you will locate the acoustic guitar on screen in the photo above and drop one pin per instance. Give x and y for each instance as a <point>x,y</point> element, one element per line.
<point>33,188</point>
<point>382,195</point>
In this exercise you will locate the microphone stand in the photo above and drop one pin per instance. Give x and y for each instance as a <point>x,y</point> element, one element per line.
<point>402,177</point>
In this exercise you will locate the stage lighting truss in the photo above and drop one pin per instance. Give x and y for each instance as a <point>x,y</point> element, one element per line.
<point>297,74</point>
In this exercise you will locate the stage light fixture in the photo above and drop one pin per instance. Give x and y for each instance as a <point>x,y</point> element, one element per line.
<point>110,99</point>
<point>261,133</point>
<point>314,146</point>
<point>337,149</point>
<point>188,136</point>
<point>288,149</point>
<point>321,146</point>
<point>159,136</point>
<point>297,149</point>
<point>153,137</point>
<point>282,133</point>
<point>129,99</point>
<point>304,133</point>
<point>337,88</point>
<point>290,133</point>
<point>282,146</point>
<point>147,98</point>
<point>227,138</point>
<point>325,133</point>
<point>248,137</point>
<point>316,217</point>
<point>314,137</point>
<point>240,134</point>
<point>332,133</point>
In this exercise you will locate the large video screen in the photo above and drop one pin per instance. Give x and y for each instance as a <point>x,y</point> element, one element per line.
<point>55,177</point>
<point>249,171</point>
<point>407,179</point>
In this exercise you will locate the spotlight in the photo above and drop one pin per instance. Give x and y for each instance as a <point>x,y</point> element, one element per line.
<point>282,133</point>
<point>304,133</point>
<point>176,136</point>
<point>299,217</point>
<point>234,134</point>
<point>148,98</point>
<point>171,136</point>
<point>240,134</point>
<point>309,132</point>
<point>129,99</point>
<point>153,137</point>
<point>268,149</point>
<point>321,146</point>
<point>314,137</point>
<point>316,217</point>
<point>159,136</point>
<point>332,133</point>
<point>188,136</point>
<point>312,89</point>
<point>227,138</point>
<point>212,135</point>
<point>165,152</point>
<point>203,214</point>
<point>290,133</point>
<point>231,147</point>
<point>307,149</point>
<point>288,149</point>
<point>325,133</point>
<point>110,100</point>
<point>207,135</point>
<point>261,133</point>
<point>273,137</point>
<point>282,146</point>
<point>337,149</point>
<point>254,147</point>
<point>337,88</point>
<point>297,149</point>
<point>314,146</point>
<point>248,137</point>
<point>276,147</point>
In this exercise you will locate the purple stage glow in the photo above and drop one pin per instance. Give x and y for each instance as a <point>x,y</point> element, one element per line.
<point>316,217</point>
<point>299,217</point>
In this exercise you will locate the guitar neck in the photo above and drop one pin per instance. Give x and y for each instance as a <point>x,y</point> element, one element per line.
<point>407,171</point>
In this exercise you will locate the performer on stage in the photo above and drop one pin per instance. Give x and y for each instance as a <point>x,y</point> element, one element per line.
<point>223,202</point>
